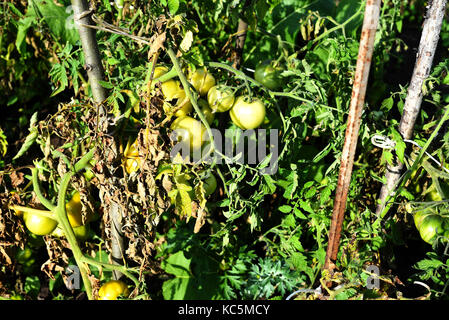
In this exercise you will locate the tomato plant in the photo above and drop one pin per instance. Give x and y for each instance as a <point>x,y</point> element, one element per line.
<point>252,221</point>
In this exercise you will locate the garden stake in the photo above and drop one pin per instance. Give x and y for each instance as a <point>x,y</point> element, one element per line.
<point>370,22</point>
<point>83,19</point>
<point>412,105</point>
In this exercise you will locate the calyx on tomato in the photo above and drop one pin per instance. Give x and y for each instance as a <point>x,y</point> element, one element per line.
<point>269,75</point>
<point>246,113</point>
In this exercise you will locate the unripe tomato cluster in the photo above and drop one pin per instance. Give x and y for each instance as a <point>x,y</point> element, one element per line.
<point>42,225</point>
<point>430,224</point>
<point>245,112</point>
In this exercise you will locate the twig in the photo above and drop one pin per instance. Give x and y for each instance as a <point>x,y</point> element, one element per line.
<point>370,22</point>
<point>412,105</point>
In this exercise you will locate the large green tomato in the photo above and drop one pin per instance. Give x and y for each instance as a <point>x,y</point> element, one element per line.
<point>112,289</point>
<point>430,226</point>
<point>418,217</point>
<point>247,114</point>
<point>202,80</point>
<point>190,130</point>
<point>220,98</point>
<point>269,75</point>
<point>170,89</point>
<point>39,225</point>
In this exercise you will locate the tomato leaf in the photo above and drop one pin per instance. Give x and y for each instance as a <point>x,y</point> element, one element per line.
<point>173,6</point>
<point>400,145</point>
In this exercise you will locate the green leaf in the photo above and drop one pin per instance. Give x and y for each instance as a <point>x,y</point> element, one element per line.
<point>173,6</point>
<point>59,20</point>
<point>306,206</point>
<point>387,104</point>
<point>32,286</point>
<point>289,221</point>
<point>400,145</point>
<point>285,209</point>
<point>184,202</point>
<point>179,266</point>
<point>24,24</point>
<point>106,84</point>
<point>269,185</point>
<point>427,264</point>
<point>325,194</point>
<point>31,137</point>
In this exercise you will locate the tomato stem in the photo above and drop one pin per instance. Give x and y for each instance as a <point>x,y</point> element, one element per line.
<point>37,189</point>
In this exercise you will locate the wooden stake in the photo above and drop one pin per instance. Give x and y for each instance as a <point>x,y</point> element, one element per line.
<point>412,105</point>
<point>370,22</point>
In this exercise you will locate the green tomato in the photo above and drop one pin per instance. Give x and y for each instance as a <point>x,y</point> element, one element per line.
<point>202,80</point>
<point>190,131</point>
<point>418,217</point>
<point>209,183</point>
<point>269,75</point>
<point>210,116</point>
<point>431,226</point>
<point>81,232</point>
<point>247,114</point>
<point>172,90</point>
<point>39,225</point>
<point>220,98</point>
